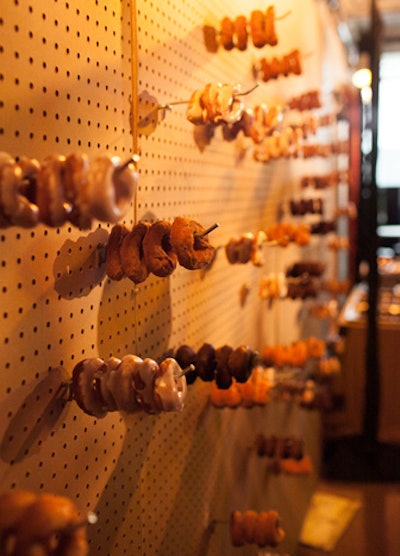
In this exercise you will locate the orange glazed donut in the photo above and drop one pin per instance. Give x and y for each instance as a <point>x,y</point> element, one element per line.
<point>160,258</point>
<point>132,254</point>
<point>193,249</point>
<point>257,26</point>
<point>227,31</point>
<point>240,28</point>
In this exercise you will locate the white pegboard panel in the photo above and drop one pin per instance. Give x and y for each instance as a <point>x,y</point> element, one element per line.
<point>69,71</point>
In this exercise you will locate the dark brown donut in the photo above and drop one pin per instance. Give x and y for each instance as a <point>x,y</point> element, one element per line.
<point>185,356</point>
<point>194,251</point>
<point>132,254</point>
<point>84,386</point>
<point>160,258</point>
<point>205,362</point>
<point>223,377</point>
<point>241,362</point>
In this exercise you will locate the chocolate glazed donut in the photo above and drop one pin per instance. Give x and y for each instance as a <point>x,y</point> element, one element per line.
<point>160,258</point>
<point>132,254</point>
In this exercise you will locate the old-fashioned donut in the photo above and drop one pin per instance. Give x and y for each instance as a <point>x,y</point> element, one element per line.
<point>160,258</point>
<point>193,249</point>
<point>114,268</point>
<point>132,253</point>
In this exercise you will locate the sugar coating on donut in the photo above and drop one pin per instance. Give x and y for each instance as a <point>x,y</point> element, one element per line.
<point>193,249</point>
<point>170,388</point>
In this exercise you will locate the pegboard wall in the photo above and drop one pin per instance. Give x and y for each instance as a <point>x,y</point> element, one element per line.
<point>88,76</point>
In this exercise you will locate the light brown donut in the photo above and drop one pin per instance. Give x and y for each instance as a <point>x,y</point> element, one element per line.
<point>114,267</point>
<point>76,183</point>
<point>194,251</point>
<point>84,390</point>
<point>50,525</point>
<point>13,503</point>
<point>111,187</point>
<point>28,214</point>
<point>160,258</point>
<point>53,207</point>
<point>132,254</point>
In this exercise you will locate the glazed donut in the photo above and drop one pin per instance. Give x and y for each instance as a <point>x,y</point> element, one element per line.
<point>195,111</point>
<point>210,38</point>
<point>193,249</point>
<point>257,27</point>
<point>120,383</point>
<point>114,268</point>
<point>220,104</point>
<point>50,525</point>
<point>76,188</point>
<point>269,22</point>
<point>53,207</point>
<point>240,31</point>
<point>101,378</point>
<point>111,187</point>
<point>227,32</point>
<point>159,257</point>
<point>132,254</point>
<point>144,376</point>
<point>13,503</point>
<point>170,388</point>
<point>84,386</point>
<point>205,362</point>
<point>236,526</point>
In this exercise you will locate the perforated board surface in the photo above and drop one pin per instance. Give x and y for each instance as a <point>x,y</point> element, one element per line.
<point>70,73</point>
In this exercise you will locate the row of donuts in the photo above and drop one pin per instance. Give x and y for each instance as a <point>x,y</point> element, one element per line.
<point>235,33</point>
<point>49,524</point>
<point>157,248</point>
<point>64,189</point>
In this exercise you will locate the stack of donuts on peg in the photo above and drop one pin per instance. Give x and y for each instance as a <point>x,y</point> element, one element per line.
<point>156,248</point>
<point>65,189</point>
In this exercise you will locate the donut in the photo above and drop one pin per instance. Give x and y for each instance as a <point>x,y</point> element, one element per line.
<point>240,31</point>
<point>27,215</point>
<point>236,527</point>
<point>205,362</point>
<point>114,268</point>
<point>210,38</point>
<point>111,187</point>
<point>219,104</point>
<point>195,111</point>
<point>223,377</point>
<point>241,362</point>
<point>13,504</point>
<point>227,31</point>
<point>144,377</point>
<point>257,28</point>
<point>186,356</point>
<point>76,188</point>
<point>170,388</point>
<point>250,523</point>
<point>101,378</point>
<point>84,386</point>
<point>120,383</point>
<point>159,257</point>
<point>239,250</point>
<point>50,525</point>
<point>193,249</point>
<point>269,30</point>
<point>132,253</point>
<point>53,207</point>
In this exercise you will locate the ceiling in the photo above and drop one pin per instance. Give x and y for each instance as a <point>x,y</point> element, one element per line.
<point>356,14</point>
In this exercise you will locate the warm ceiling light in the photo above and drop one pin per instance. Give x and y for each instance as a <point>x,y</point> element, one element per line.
<point>362,78</point>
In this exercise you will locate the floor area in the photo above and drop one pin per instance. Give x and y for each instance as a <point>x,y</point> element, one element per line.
<point>370,475</point>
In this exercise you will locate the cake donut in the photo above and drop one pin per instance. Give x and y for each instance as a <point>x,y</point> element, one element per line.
<point>223,377</point>
<point>85,386</point>
<point>114,267</point>
<point>132,253</point>
<point>241,362</point>
<point>159,257</point>
<point>186,356</point>
<point>227,30</point>
<point>192,247</point>
<point>50,525</point>
<point>111,187</point>
<point>205,362</point>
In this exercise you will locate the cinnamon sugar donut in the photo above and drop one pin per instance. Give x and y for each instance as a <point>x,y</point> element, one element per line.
<point>193,249</point>
<point>132,253</point>
<point>160,258</point>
